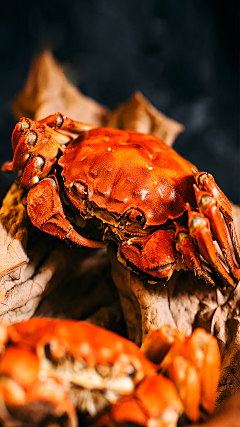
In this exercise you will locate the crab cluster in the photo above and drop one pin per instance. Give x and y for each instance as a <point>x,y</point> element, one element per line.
<point>89,186</point>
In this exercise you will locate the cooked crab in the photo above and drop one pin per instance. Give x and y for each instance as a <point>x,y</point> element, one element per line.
<point>51,369</point>
<point>161,212</point>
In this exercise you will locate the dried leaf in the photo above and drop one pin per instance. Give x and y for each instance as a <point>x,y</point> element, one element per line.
<point>47,91</point>
<point>138,114</point>
<point>13,233</point>
<point>86,290</point>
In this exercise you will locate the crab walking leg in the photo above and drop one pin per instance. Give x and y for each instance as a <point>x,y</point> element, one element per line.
<point>202,349</point>
<point>185,376</point>
<point>200,229</point>
<point>185,245</point>
<point>58,121</point>
<point>206,182</point>
<point>193,364</point>
<point>208,206</point>
<point>45,211</point>
<point>158,341</point>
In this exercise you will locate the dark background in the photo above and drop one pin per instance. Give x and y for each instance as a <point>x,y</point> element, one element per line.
<point>182,54</point>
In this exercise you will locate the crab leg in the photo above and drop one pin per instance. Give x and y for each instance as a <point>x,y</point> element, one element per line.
<point>193,363</point>
<point>46,212</point>
<point>202,349</point>
<point>208,206</point>
<point>58,121</point>
<point>190,256</point>
<point>199,228</point>
<point>158,342</point>
<point>205,181</point>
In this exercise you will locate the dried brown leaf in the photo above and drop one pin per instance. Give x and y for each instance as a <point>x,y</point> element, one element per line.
<point>138,114</point>
<point>47,91</point>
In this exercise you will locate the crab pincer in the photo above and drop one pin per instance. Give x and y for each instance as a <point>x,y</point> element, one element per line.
<point>192,363</point>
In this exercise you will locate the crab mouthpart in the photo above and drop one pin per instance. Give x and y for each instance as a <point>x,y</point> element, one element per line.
<point>130,257</point>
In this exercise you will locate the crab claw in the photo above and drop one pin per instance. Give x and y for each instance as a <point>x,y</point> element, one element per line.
<point>49,216</point>
<point>202,349</point>
<point>35,148</point>
<point>199,227</point>
<point>206,182</point>
<point>28,399</point>
<point>193,364</point>
<point>154,255</point>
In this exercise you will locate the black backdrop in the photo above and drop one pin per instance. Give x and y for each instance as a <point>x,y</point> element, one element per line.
<point>182,54</point>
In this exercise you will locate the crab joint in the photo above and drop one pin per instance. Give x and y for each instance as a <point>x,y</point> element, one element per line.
<point>31,138</point>
<point>23,125</point>
<point>181,237</point>
<point>39,163</point>
<point>201,180</point>
<point>196,223</point>
<point>205,202</point>
<point>59,120</point>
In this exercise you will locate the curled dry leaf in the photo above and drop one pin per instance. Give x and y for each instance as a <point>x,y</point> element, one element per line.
<point>138,114</point>
<point>47,91</point>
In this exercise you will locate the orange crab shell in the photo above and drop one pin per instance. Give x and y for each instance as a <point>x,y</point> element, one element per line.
<point>80,339</point>
<point>123,170</point>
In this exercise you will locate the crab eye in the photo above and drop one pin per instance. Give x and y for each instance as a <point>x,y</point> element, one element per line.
<point>31,138</point>
<point>55,351</point>
<point>39,163</point>
<point>80,189</point>
<point>23,125</point>
<point>136,216</point>
<point>59,120</point>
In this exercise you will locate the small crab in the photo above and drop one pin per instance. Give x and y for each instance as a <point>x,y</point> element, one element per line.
<point>52,369</point>
<point>156,206</point>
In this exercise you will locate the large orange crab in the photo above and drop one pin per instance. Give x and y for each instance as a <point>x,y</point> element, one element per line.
<point>49,368</point>
<point>154,204</point>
